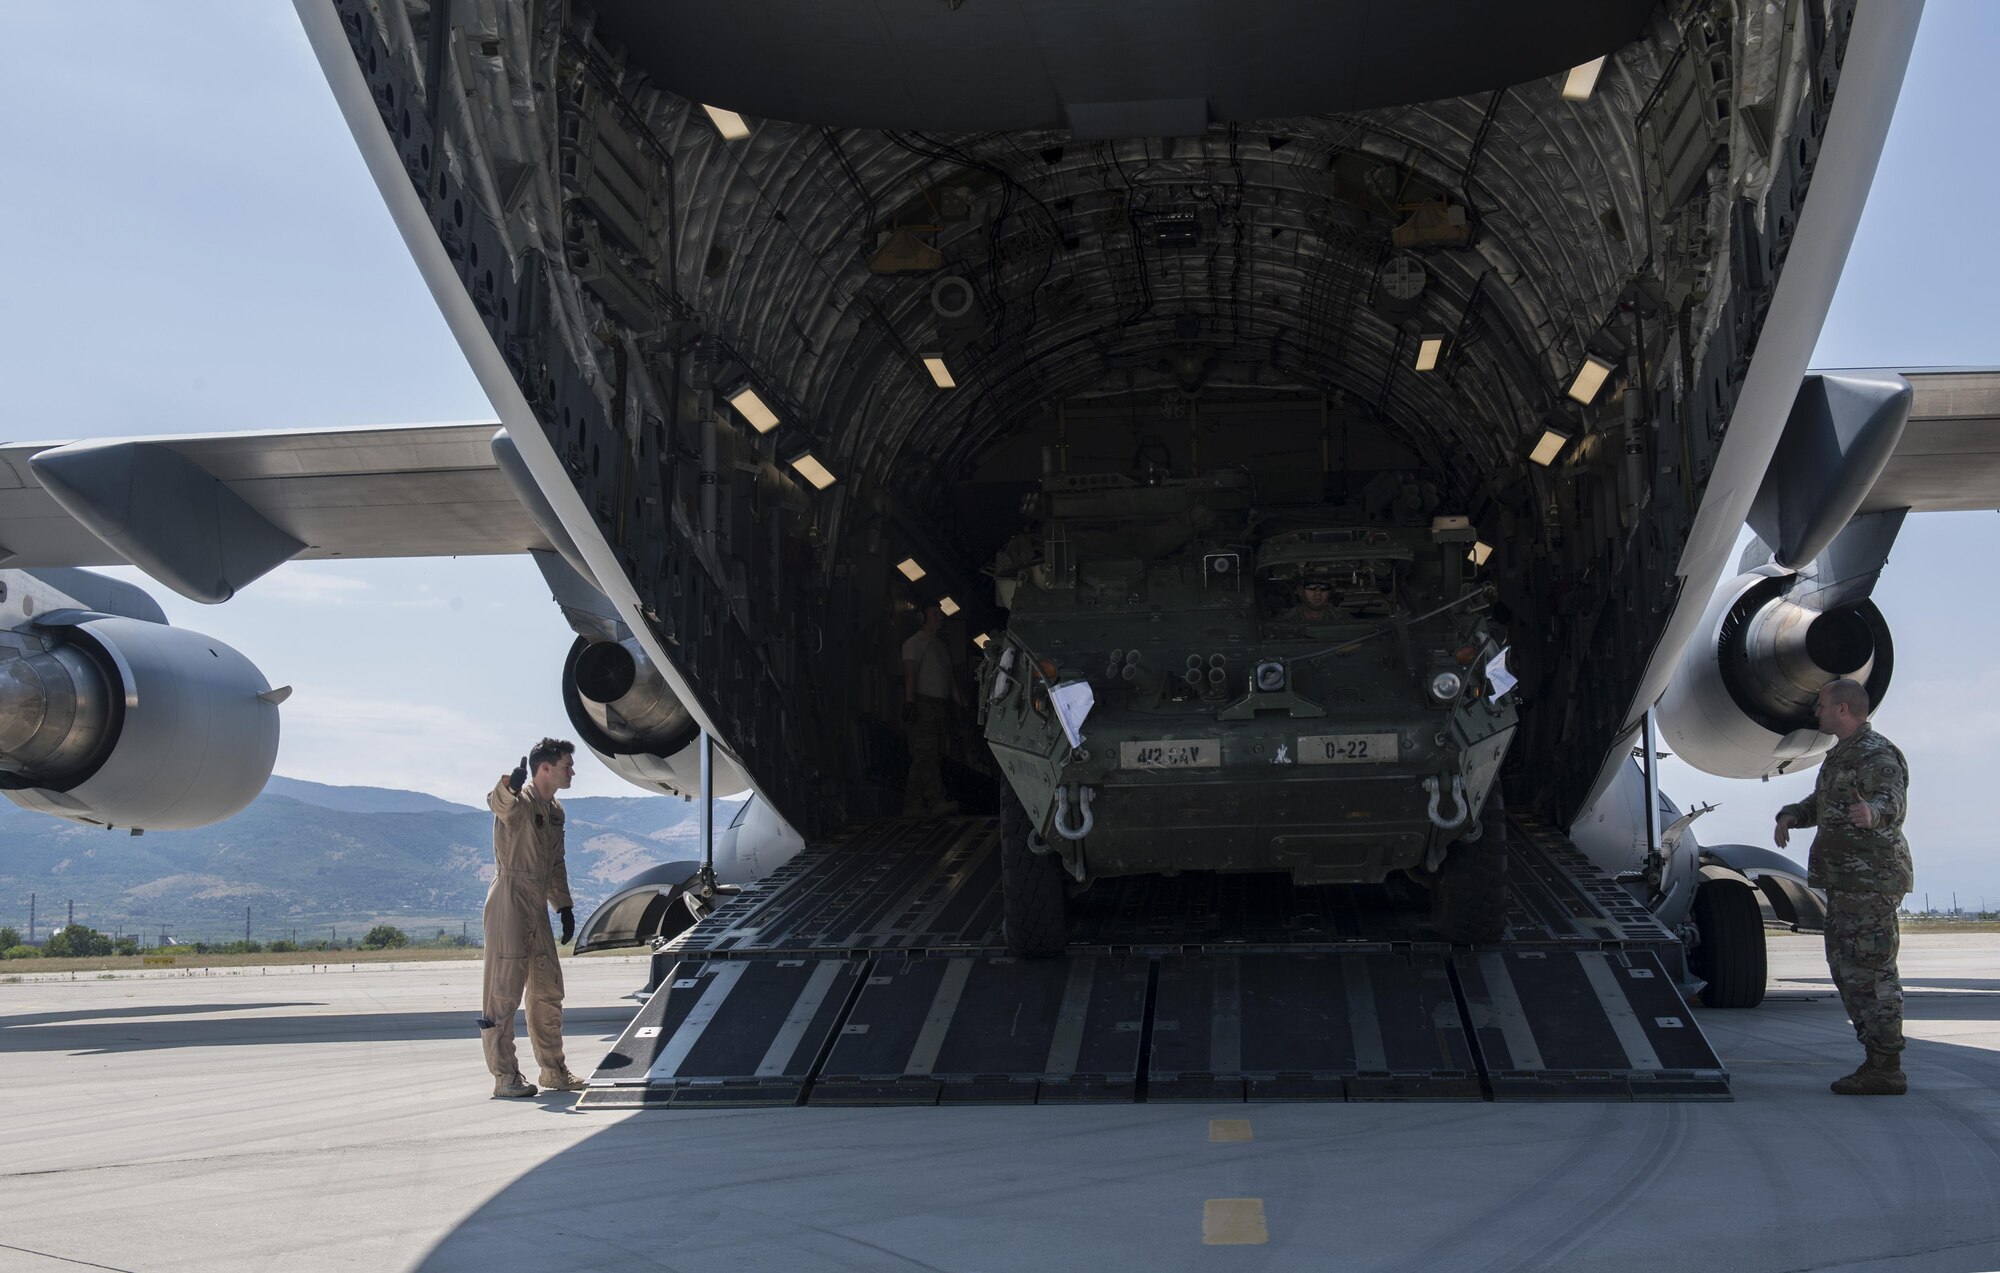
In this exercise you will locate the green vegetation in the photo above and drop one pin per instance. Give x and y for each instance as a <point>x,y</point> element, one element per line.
<point>10,937</point>
<point>385,937</point>
<point>78,941</point>
<point>18,951</point>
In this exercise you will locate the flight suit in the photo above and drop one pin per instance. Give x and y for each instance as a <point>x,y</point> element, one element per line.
<point>1865,872</point>
<point>531,879</point>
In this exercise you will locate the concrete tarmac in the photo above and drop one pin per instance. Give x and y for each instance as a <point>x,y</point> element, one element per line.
<point>304,1120</point>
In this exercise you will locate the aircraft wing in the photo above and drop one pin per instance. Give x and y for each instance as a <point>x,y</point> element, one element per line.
<point>1948,459</point>
<point>207,513</point>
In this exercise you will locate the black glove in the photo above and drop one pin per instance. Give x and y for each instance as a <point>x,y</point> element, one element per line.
<point>568,918</point>
<point>909,713</point>
<point>519,776</point>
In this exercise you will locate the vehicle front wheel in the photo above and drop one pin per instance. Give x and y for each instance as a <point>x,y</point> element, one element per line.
<point>1729,954</point>
<point>1469,895</point>
<point>1034,897</point>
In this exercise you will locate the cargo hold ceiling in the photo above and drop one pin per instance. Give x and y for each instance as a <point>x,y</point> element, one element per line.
<point>1256,255</point>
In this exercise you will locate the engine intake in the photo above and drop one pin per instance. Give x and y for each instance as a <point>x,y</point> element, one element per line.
<point>626,697</point>
<point>631,719</point>
<point>1742,703</point>
<point>125,723</point>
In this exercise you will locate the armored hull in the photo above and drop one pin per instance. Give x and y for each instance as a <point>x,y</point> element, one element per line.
<point>1188,681</point>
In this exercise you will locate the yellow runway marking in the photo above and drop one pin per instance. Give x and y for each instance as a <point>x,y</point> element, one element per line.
<point>1233,1222</point>
<point>1223,1129</point>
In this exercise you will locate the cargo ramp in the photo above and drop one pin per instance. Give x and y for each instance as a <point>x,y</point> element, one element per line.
<point>871,971</point>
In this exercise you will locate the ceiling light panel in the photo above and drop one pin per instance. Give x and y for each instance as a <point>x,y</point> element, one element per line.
<point>813,471</point>
<point>1589,378</point>
<point>1548,447</point>
<point>1582,81</point>
<point>752,408</point>
<point>728,123</point>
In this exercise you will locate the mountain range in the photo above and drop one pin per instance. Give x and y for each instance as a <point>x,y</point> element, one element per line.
<point>310,857</point>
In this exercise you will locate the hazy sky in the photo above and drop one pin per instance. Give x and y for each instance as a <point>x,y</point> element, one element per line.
<point>189,242</point>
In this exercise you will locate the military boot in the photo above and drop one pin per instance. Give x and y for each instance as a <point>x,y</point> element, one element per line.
<point>562,1081</point>
<point>512,1085</point>
<point>1880,1075</point>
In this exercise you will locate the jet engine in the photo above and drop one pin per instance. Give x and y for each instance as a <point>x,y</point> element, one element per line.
<point>124,723</point>
<point>625,713</point>
<point>1742,702</point>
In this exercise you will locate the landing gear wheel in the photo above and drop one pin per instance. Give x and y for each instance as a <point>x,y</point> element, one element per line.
<point>1034,897</point>
<point>1729,954</point>
<point>1469,895</point>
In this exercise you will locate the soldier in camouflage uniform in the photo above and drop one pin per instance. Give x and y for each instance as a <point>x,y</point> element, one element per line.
<point>1862,861</point>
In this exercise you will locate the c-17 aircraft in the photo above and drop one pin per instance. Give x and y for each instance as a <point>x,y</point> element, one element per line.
<point>781,339</point>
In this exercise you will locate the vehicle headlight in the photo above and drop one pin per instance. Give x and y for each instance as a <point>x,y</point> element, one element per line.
<point>1445,686</point>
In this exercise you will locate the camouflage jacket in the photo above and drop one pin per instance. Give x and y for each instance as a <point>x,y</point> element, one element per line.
<point>1865,766</point>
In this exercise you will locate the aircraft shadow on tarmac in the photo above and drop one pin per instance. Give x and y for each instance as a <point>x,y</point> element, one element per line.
<point>1831,1182</point>
<point>100,1030</point>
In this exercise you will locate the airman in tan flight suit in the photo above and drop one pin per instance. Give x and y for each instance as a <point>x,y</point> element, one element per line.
<point>520,953</point>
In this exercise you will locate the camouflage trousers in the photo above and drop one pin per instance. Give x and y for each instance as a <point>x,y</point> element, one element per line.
<point>1861,943</point>
<point>924,790</point>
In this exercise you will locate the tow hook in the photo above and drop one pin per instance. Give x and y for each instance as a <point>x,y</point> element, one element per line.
<point>1438,820</point>
<point>1083,799</point>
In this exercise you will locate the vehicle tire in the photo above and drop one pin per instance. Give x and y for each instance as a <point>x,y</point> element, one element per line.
<point>1034,894</point>
<point>1729,954</point>
<point>1469,895</point>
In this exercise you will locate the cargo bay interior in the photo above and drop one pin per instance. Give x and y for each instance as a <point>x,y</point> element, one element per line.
<point>792,319</point>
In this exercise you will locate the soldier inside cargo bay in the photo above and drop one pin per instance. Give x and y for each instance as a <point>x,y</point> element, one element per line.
<point>928,693</point>
<point>1863,862</point>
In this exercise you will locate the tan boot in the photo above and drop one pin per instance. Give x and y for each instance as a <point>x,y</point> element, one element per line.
<point>1880,1075</point>
<point>512,1085</point>
<point>562,1082</point>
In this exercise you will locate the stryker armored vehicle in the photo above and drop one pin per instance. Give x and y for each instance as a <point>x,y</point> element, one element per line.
<point>1169,695</point>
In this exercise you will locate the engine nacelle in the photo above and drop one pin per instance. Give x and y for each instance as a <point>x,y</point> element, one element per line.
<point>625,713</point>
<point>1741,704</point>
<point>124,723</point>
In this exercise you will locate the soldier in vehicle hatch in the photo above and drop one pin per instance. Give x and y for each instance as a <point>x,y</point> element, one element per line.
<point>1314,602</point>
<point>1863,862</point>
<point>928,693</point>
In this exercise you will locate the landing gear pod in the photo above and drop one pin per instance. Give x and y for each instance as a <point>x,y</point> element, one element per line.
<point>657,904</point>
